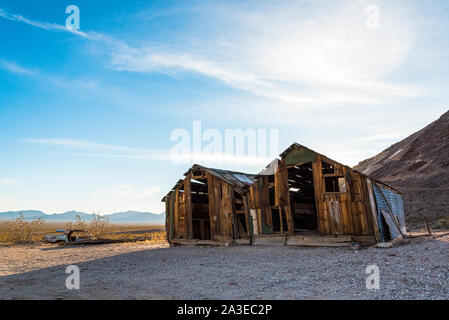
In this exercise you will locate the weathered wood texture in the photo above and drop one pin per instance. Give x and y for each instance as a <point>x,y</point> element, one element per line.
<point>350,211</point>
<point>341,198</point>
<point>221,205</point>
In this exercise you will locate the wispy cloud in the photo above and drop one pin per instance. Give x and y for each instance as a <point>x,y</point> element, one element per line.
<point>127,192</point>
<point>8,181</point>
<point>50,26</point>
<point>123,152</point>
<point>42,25</point>
<point>382,136</point>
<point>83,144</point>
<point>288,52</point>
<point>14,68</point>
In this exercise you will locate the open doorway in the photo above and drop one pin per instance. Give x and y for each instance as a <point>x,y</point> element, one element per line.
<point>302,198</point>
<point>200,209</point>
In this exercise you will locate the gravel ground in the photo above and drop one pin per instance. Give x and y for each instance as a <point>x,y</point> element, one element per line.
<point>419,270</point>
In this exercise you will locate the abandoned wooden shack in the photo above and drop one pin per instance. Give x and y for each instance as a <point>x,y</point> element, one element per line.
<point>313,199</point>
<point>209,205</point>
<point>303,198</point>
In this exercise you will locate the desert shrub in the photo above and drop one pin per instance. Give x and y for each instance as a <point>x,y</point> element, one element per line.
<point>24,232</point>
<point>79,224</point>
<point>98,228</point>
<point>158,236</point>
<point>443,223</point>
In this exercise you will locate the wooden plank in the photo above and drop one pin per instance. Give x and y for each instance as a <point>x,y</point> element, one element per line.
<point>196,242</point>
<point>272,240</point>
<point>373,207</point>
<point>186,242</point>
<point>227,212</point>
<point>281,221</point>
<point>176,222</point>
<point>246,210</point>
<point>188,205</point>
<point>210,243</point>
<point>282,196</point>
<point>365,240</point>
<point>234,221</point>
<point>242,241</point>
<point>335,217</point>
<point>323,226</point>
<point>319,241</point>
<point>222,238</point>
<point>265,203</point>
<point>212,205</point>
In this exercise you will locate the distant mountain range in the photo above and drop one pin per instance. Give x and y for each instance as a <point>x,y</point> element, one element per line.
<point>419,167</point>
<point>119,217</point>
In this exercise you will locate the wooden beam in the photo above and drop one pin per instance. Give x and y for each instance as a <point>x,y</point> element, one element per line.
<point>212,205</point>
<point>188,205</point>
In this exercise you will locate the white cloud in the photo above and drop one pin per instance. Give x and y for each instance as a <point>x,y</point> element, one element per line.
<point>124,152</point>
<point>382,136</point>
<point>15,68</point>
<point>8,181</point>
<point>83,144</point>
<point>126,192</point>
<point>289,52</point>
<point>188,158</point>
<point>41,25</point>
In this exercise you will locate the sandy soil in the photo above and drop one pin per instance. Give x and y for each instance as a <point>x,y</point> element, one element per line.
<point>419,270</point>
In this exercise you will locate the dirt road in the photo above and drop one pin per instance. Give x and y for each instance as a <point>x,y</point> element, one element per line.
<point>419,270</point>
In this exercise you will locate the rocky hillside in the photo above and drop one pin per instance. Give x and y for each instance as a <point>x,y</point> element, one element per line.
<point>419,167</point>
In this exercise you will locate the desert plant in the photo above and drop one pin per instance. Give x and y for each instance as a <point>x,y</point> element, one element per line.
<point>443,223</point>
<point>24,232</point>
<point>79,224</point>
<point>99,227</point>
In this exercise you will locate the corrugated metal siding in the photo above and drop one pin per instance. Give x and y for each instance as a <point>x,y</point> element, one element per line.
<point>394,231</point>
<point>396,204</point>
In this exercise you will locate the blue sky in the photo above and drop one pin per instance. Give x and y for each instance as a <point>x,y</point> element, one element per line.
<point>86,116</point>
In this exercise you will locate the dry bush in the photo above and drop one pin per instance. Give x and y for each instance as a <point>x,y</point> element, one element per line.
<point>158,236</point>
<point>79,224</point>
<point>443,223</point>
<point>24,232</point>
<point>98,228</point>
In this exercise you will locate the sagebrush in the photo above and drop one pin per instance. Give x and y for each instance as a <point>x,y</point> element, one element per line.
<point>97,228</point>
<point>21,231</point>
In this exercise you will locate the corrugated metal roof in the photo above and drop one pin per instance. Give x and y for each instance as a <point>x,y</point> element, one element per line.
<point>236,179</point>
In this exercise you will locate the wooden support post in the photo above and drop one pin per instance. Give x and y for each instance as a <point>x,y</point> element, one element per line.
<point>213,205</point>
<point>246,210</point>
<point>234,222</point>
<point>281,222</point>
<point>188,205</point>
<point>427,225</point>
<point>176,222</point>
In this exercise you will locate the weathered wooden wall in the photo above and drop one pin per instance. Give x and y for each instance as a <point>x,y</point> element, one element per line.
<point>338,213</point>
<point>348,212</point>
<point>345,213</point>
<point>222,209</point>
